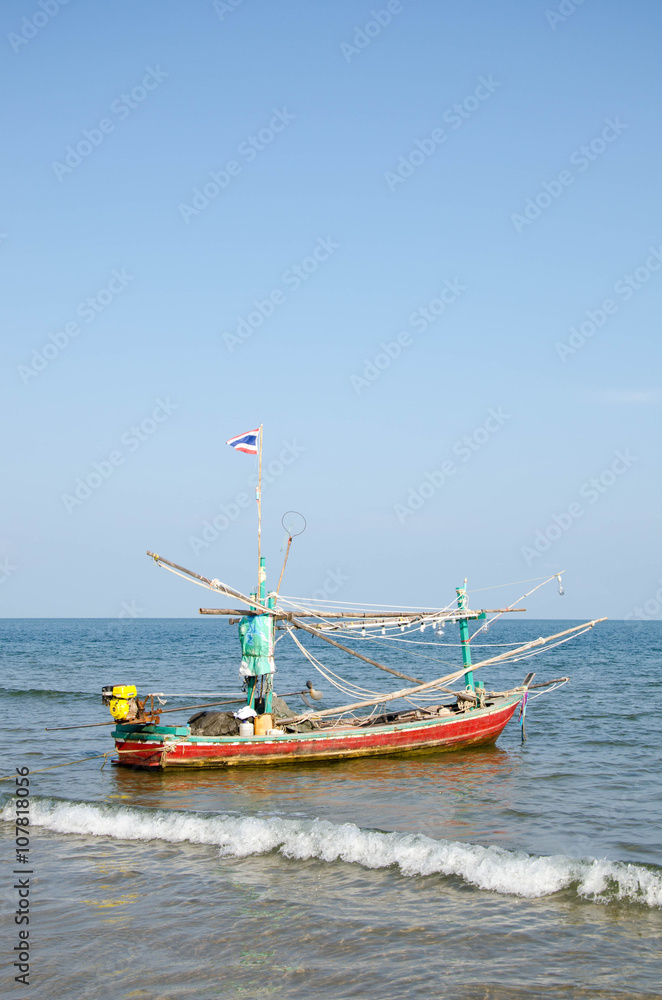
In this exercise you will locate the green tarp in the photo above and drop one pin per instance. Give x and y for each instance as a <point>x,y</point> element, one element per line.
<point>256,635</point>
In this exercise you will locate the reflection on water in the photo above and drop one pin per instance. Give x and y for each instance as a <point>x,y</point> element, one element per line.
<point>440,795</point>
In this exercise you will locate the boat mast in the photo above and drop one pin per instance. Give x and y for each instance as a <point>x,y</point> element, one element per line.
<point>258,497</point>
<point>464,637</point>
<point>266,680</point>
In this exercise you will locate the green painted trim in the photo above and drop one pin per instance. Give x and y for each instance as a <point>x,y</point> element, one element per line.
<point>323,735</point>
<point>133,729</point>
<point>464,638</point>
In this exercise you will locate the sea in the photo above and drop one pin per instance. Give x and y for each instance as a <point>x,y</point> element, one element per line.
<point>532,868</point>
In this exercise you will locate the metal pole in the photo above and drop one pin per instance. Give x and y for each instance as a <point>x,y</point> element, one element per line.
<point>464,638</point>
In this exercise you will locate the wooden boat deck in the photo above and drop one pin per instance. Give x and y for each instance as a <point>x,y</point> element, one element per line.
<point>152,746</point>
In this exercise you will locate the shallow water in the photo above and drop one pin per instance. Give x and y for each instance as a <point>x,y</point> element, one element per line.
<point>521,870</point>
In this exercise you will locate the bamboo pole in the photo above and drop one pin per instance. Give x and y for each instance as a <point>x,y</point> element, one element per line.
<point>352,652</point>
<point>222,588</point>
<point>264,609</point>
<point>406,692</point>
<point>257,608</point>
<point>259,511</point>
<point>255,604</point>
<point>280,578</point>
<point>448,616</point>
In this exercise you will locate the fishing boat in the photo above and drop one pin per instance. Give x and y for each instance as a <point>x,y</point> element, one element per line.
<point>450,712</point>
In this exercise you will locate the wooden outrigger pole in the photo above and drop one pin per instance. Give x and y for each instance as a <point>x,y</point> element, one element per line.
<point>257,605</point>
<point>449,678</point>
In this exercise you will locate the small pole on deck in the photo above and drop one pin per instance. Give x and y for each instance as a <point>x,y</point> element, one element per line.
<point>287,552</point>
<point>269,678</point>
<point>464,637</point>
<point>251,680</point>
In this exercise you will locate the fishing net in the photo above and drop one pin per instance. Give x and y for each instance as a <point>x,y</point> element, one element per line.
<point>214,724</point>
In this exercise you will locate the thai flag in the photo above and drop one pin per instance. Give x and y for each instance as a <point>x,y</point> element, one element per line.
<point>245,442</point>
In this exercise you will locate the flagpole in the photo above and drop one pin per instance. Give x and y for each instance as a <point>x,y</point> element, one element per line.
<point>259,507</point>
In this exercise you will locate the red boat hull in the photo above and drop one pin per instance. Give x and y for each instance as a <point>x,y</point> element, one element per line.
<point>166,747</point>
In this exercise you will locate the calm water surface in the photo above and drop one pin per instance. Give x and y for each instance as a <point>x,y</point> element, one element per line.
<point>522,870</point>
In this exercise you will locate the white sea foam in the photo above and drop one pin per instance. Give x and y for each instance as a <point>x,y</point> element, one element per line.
<point>491,868</point>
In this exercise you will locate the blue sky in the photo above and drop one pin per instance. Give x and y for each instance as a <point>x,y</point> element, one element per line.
<point>465,184</point>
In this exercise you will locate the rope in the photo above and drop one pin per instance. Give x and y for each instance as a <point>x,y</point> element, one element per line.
<point>169,747</point>
<point>422,621</point>
<point>497,586</point>
<point>423,642</point>
<point>552,687</point>
<point>40,770</point>
<point>411,652</point>
<point>487,624</point>
<point>334,625</point>
<point>545,648</point>
<point>8,777</point>
<point>329,675</point>
<point>349,607</point>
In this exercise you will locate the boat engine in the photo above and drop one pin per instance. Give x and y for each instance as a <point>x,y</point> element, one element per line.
<point>122,701</point>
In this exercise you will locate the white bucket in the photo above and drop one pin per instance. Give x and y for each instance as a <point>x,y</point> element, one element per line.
<point>246,729</point>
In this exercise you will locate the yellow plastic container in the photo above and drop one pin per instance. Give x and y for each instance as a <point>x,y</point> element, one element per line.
<point>263,723</point>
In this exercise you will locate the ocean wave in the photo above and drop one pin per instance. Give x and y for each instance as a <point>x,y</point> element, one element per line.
<point>490,868</point>
<point>47,693</point>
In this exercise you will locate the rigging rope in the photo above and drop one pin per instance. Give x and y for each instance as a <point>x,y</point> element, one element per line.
<point>487,624</point>
<point>350,607</point>
<point>544,649</point>
<point>497,586</point>
<point>338,682</point>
